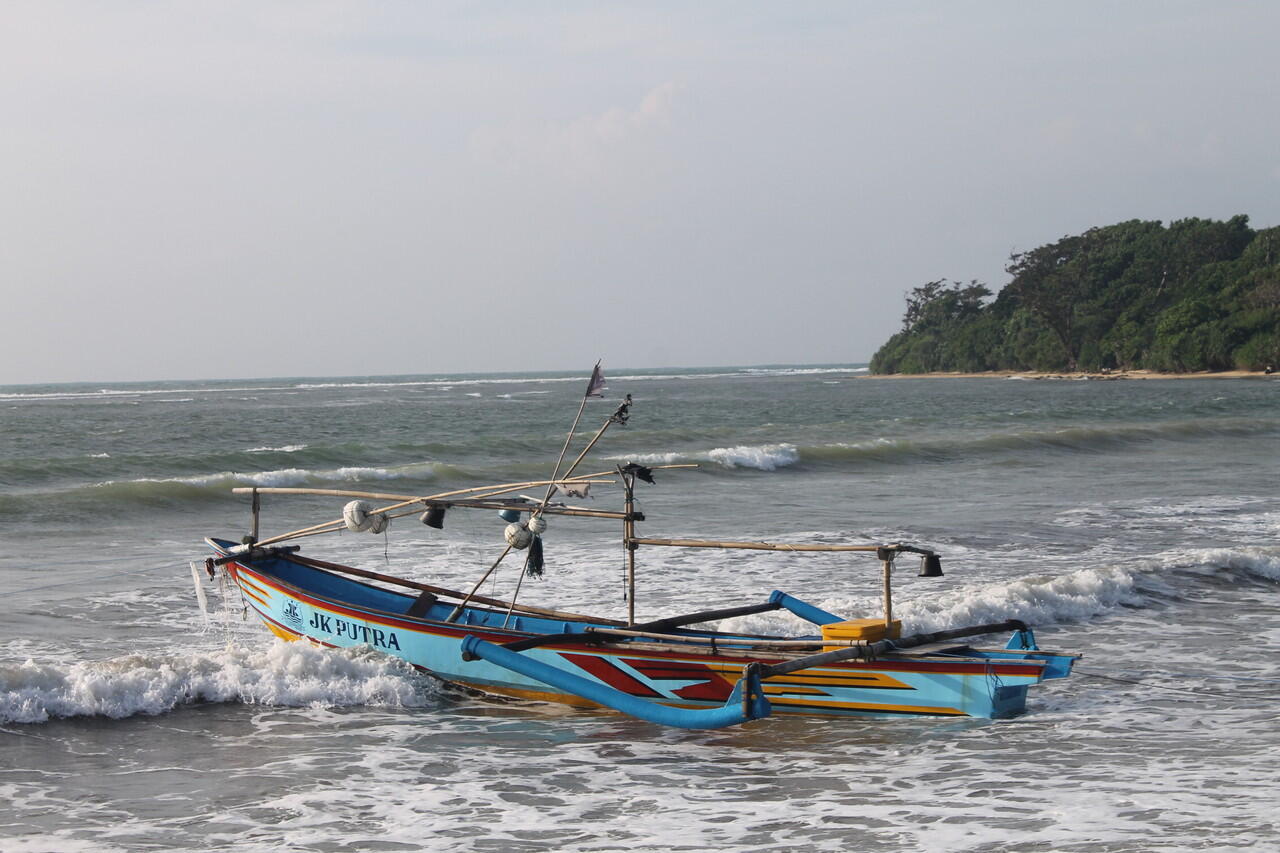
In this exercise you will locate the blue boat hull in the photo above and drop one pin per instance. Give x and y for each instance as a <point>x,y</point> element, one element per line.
<point>700,686</point>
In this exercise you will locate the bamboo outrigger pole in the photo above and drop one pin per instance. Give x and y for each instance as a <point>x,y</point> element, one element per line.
<point>886,553</point>
<point>403,500</point>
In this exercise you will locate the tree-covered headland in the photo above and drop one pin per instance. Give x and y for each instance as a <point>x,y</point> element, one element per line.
<point>1196,295</point>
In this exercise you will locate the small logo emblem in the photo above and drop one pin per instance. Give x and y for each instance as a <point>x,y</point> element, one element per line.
<point>291,614</point>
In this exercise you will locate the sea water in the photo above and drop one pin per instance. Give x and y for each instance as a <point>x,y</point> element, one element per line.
<point>1135,522</point>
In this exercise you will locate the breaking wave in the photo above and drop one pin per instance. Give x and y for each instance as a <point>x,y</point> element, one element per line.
<point>1090,440</point>
<point>126,496</point>
<point>1075,597</point>
<point>124,391</point>
<point>762,457</point>
<point>287,674</point>
<point>222,481</point>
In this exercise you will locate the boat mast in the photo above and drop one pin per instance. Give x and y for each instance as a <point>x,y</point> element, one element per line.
<point>628,538</point>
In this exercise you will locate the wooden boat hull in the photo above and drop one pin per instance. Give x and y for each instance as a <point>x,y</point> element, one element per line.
<point>297,601</point>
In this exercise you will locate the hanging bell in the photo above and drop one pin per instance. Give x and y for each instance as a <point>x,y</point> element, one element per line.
<point>930,566</point>
<point>434,516</point>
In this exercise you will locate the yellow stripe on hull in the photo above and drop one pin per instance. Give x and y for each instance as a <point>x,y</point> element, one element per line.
<point>282,633</point>
<point>870,709</point>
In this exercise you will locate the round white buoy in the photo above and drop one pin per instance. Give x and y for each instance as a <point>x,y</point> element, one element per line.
<point>536,524</point>
<point>379,522</point>
<point>356,516</point>
<point>518,536</point>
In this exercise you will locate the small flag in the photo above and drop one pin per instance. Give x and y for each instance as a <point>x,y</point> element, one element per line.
<point>596,384</point>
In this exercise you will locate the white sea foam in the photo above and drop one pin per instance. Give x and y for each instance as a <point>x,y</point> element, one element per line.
<point>111,393</point>
<point>297,476</point>
<point>441,384</point>
<point>290,674</point>
<point>288,448</point>
<point>763,457</point>
<point>1073,597</point>
<point>1263,562</point>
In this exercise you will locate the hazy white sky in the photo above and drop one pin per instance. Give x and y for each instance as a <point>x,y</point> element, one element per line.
<point>235,189</point>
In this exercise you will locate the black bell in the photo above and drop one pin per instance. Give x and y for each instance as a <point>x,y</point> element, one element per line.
<point>434,516</point>
<point>930,566</point>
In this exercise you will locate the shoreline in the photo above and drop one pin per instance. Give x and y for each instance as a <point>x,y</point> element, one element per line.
<point>1080,376</point>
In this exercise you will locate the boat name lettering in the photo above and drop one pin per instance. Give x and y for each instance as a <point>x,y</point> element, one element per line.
<point>350,630</point>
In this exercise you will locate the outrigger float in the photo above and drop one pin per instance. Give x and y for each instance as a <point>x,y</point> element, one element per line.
<point>668,671</point>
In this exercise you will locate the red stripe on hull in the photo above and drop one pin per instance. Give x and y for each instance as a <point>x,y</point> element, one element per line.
<point>1030,669</point>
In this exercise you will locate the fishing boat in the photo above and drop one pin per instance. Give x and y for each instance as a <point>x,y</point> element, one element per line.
<point>676,671</point>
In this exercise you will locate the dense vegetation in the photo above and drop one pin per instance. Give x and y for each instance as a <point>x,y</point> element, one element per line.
<point>1197,295</point>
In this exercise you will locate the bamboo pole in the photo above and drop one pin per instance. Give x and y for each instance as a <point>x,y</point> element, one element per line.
<point>736,642</point>
<point>764,546</point>
<point>256,509</point>
<point>555,473</point>
<point>451,593</point>
<point>515,595</point>
<point>493,489</point>
<point>628,542</point>
<point>888,595</point>
<point>592,443</point>
<point>334,525</point>
<point>568,439</point>
<point>582,512</point>
<point>458,610</point>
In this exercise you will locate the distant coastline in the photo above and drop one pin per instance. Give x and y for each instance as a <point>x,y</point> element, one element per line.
<point>1196,297</point>
<point>1059,375</point>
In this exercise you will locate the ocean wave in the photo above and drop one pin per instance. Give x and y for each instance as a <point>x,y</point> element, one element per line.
<point>762,457</point>
<point>442,383</point>
<point>1256,562</point>
<point>124,496</point>
<point>280,477</point>
<point>1090,440</point>
<point>288,448</point>
<point>288,674</point>
<point>1044,600</point>
<point>125,393</point>
<point>1041,600</point>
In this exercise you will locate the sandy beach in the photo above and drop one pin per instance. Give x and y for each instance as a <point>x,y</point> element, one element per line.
<point>1112,375</point>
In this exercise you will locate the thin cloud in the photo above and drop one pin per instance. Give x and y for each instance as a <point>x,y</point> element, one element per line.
<point>584,147</point>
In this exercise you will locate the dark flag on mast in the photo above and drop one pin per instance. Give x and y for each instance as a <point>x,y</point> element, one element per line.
<point>596,384</point>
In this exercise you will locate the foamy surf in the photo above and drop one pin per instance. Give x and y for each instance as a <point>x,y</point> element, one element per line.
<point>278,673</point>
<point>224,480</point>
<point>762,457</point>
<point>1042,600</point>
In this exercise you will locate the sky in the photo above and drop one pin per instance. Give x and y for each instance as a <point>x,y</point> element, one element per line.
<point>248,189</point>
